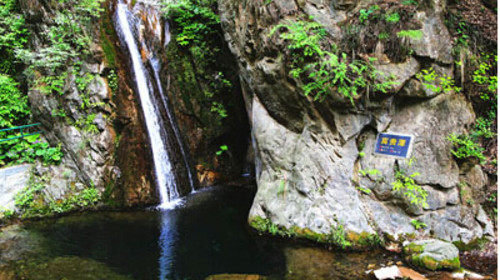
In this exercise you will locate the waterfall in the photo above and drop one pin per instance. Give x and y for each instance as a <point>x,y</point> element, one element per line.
<point>155,64</point>
<point>162,150</point>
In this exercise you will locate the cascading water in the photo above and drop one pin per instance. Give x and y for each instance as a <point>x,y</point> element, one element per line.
<point>126,25</point>
<point>155,64</point>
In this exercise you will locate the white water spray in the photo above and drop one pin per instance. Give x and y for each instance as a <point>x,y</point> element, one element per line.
<point>162,164</point>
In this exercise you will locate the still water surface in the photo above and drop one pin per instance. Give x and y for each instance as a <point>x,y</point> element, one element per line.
<point>207,235</point>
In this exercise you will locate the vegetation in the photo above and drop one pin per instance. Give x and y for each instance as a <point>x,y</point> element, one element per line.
<point>14,107</point>
<point>66,44</point>
<point>337,236</point>
<point>33,201</point>
<point>13,35</point>
<point>223,149</point>
<point>418,224</point>
<point>406,184</point>
<point>197,32</point>
<point>385,28</point>
<point>484,131</point>
<point>323,68</point>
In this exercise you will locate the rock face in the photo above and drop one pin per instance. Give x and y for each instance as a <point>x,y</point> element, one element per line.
<point>309,154</point>
<point>104,143</point>
<point>433,254</point>
<point>12,180</point>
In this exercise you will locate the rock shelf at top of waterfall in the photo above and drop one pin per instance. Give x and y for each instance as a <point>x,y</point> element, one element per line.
<point>171,168</point>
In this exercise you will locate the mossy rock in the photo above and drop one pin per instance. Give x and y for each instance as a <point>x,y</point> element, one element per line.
<point>433,254</point>
<point>336,237</point>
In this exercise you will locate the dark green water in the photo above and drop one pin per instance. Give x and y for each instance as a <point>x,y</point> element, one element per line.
<point>206,236</point>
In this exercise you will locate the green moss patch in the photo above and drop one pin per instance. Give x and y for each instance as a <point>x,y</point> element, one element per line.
<point>338,236</point>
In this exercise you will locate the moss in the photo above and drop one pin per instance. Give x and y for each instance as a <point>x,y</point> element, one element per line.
<point>107,37</point>
<point>413,249</point>
<point>477,243</point>
<point>337,236</point>
<point>451,264</point>
<point>364,239</point>
<point>430,263</point>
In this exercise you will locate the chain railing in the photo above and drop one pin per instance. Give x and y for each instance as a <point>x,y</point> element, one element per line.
<point>24,131</point>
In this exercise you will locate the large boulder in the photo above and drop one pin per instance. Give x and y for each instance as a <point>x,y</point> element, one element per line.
<point>432,254</point>
<point>309,154</point>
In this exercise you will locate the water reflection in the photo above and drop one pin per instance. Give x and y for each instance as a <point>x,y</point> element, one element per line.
<point>168,239</point>
<point>207,235</point>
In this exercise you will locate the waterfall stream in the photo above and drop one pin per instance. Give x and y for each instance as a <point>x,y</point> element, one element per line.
<point>164,167</point>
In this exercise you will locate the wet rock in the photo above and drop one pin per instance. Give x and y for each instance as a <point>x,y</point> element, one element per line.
<point>16,243</point>
<point>432,254</point>
<point>321,264</point>
<point>91,165</point>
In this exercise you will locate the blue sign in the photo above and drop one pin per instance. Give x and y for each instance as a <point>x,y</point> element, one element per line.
<point>394,145</point>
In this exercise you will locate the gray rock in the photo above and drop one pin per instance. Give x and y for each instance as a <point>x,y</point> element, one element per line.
<point>312,147</point>
<point>485,221</point>
<point>415,88</point>
<point>476,179</point>
<point>432,254</point>
<point>436,199</point>
<point>436,41</point>
<point>12,180</point>
<point>318,192</point>
<point>431,122</point>
<point>16,243</point>
<point>350,125</point>
<point>401,72</point>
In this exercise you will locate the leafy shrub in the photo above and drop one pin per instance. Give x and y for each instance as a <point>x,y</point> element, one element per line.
<point>31,201</point>
<point>385,27</point>
<point>406,184</point>
<point>13,104</point>
<point>197,33</point>
<point>418,224</point>
<point>194,20</point>
<point>338,236</point>
<point>465,147</point>
<point>27,150</point>
<point>432,81</point>
<point>65,41</point>
<point>324,70</point>
<point>13,34</point>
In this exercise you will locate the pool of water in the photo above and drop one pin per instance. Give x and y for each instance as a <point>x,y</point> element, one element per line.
<point>207,235</point>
